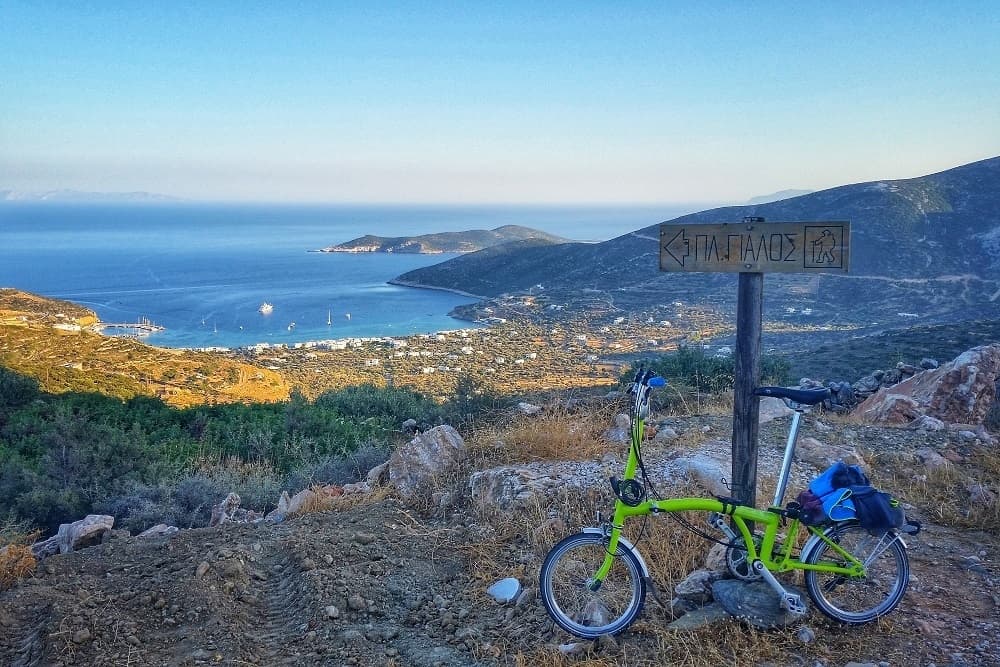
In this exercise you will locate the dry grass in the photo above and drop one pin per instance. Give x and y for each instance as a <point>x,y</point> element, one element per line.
<point>16,559</point>
<point>961,495</point>
<point>554,435</point>
<point>16,562</point>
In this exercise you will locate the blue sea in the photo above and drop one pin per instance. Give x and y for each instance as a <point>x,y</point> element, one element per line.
<point>202,271</point>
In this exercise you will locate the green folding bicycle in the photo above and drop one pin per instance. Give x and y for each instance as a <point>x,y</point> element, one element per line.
<point>595,582</point>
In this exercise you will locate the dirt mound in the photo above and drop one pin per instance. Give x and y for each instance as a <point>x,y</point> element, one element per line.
<point>367,586</point>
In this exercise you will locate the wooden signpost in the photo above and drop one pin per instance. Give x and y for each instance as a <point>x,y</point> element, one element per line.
<point>753,248</point>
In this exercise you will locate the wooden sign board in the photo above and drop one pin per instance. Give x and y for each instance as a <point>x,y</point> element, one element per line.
<point>756,247</point>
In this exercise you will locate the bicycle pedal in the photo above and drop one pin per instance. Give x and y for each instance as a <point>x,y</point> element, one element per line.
<point>794,604</point>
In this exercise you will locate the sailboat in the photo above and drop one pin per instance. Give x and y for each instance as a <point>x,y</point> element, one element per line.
<point>328,320</point>
<point>347,315</point>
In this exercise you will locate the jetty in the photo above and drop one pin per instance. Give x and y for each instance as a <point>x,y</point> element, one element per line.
<point>142,327</point>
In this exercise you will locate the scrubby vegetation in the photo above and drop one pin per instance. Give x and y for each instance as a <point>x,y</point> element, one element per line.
<point>694,375</point>
<point>64,455</point>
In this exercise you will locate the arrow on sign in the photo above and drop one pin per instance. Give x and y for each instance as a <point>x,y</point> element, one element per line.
<point>674,245</point>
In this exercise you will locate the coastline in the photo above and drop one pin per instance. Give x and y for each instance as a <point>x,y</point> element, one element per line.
<point>407,283</point>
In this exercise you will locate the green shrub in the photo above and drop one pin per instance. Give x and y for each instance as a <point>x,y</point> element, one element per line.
<point>692,368</point>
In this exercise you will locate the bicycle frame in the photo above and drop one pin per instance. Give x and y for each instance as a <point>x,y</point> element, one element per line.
<point>771,519</point>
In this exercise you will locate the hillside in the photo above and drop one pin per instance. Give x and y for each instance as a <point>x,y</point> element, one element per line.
<point>467,241</point>
<point>384,581</point>
<point>54,341</point>
<point>924,250</point>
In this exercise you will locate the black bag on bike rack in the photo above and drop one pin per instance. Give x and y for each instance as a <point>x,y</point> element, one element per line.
<point>877,511</point>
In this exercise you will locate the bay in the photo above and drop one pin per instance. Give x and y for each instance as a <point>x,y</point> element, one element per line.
<point>202,271</point>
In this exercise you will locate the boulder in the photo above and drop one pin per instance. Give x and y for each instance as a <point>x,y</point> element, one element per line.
<point>701,617</point>
<point>931,458</point>
<point>926,423</point>
<point>821,455</point>
<point>665,434</point>
<point>696,587</point>
<point>159,530</point>
<point>963,390</point>
<point>86,532</point>
<point>229,511</point>
<point>302,501</point>
<point>773,408</point>
<point>223,512</point>
<point>378,475</point>
<point>429,454</point>
<point>527,485</point>
<point>754,602</point>
<point>528,409</point>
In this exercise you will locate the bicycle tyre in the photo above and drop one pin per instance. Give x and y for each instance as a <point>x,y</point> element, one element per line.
<point>564,579</point>
<point>859,600</point>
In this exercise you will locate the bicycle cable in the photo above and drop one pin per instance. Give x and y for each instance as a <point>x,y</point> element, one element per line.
<point>648,482</point>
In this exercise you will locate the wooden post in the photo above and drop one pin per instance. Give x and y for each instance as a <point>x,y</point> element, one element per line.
<point>746,417</point>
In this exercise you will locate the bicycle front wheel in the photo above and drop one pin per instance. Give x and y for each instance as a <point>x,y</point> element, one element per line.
<point>579,604</point>
<point>857,600</point>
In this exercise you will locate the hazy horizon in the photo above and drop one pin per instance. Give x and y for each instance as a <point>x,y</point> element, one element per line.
<point>432,103</point>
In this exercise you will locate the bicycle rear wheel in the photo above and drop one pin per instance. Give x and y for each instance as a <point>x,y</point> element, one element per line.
<point>576,602</point>
<point>856,600</point>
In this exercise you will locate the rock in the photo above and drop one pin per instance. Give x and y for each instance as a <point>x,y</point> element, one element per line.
<point>86,532</point>
<point>621,431</point>
<point>81,636</point>
<point>665,434</point>
<point>929,364</point>
<point>378,475</point>
<point>715,561</point>
<point>806,635</point>
<point>416,463</point>
<point>696,587</point>
<point>302,502</point>
<point>708,466</point>
<point>518,486</point>
<point>505,590</point>
<point>331,612</point>
<point>224,511</point>
<point>700,617</point>
<point>356,602</point>
<point>364,538</point>
<point>960,391</point>
<point>159,530</point>
<point>754,602</point>
<point>931,458</point>
<point>861,664</point>
<point>356,488</point>
<point>575,648</point>
<point>821,455</point>
<point>773,408</point>
<point>926,423</point>
<point>408,426</point>
<point>528,409</point>
<point>980,495</point>
<point>201,570</point>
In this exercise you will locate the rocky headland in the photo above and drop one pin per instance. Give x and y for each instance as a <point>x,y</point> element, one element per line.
<point>445,242</point>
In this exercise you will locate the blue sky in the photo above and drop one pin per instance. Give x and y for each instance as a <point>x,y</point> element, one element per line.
<point>492,102</point>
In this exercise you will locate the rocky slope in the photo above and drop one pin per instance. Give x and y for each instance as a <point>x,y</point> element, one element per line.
<point>923,250</point>
<point>393,583</point>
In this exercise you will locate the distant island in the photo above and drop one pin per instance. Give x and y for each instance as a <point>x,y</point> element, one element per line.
<point>79,196</point>
<point>429,244</point>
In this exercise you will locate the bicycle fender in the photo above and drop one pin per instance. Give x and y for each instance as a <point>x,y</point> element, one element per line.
<point>623,544</point>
